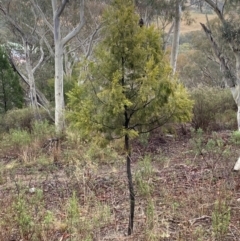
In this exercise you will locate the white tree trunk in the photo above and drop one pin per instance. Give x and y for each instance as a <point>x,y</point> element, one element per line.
<point>176,35</point>
<point>237,165</point>
<point>59,49</point>
<point>32,87</point>
<point>236,96</point>
<point>36,97</point>
<point>233,81</point>
<point>59,95</point>
<point>237,88</point>
<point>31,79</point>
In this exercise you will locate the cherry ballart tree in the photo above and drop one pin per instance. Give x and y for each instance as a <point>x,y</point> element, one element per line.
<point>128,87</point>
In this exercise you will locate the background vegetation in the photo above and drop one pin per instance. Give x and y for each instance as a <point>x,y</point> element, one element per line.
<point>68,187</point>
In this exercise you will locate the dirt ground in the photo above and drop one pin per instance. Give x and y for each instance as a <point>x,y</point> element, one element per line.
<point>190,179</point>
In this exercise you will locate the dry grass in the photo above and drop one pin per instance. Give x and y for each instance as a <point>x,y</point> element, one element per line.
<point>182,184</point>
<point>195,25</point>
<point>198,18</point>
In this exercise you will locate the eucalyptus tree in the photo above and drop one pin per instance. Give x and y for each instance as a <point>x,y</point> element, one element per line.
<point>167,13</point>
<point>197,63</point>
<point>226,40</point>
<point>176,33</point>
<point>227,13</point>
<point>21,19</point>
<point>128,88</point>
<point>66,20</point>
<point>60,41</point>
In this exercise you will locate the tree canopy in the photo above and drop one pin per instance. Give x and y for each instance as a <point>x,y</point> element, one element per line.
<point>128,87</point>
<point>129,75</point>
<point>11,93</point>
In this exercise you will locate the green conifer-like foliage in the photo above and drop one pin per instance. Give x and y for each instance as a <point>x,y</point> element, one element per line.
<point>11,93</point>
<point>128,87</point>
<point>129,75</point>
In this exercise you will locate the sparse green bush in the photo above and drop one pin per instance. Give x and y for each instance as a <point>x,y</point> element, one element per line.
<point>80,227</point>
<point>235,137</point>
<point>96,154</point>
<point>213,149</point>
<point>42,129</point>
<point>150,211</point>
<point>227,119</point>
<point>211,107</point>
<point>26,143</point>
<point>23,218</point>
<point>31,220</point>
<point>73,214</point>
<point>22,119</point>
<point>220,220</point>
<point>142,176</point>
<point>16,139</point>
<point>197,141</point>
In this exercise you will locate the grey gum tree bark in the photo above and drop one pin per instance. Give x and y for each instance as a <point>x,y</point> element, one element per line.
<point>176,35</point>
<point>232,79</point>
<point>60,42</point>
<point>35,96</point>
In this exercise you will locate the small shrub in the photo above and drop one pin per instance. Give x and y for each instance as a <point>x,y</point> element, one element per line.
<point>143,176</point>
<point>73,214</point>
<point>48,219</point>
<point>32,220</point>
<point>16,139</point>
<point>23,217</point>
<point>150,211</point>
<point>97,154</point>
<point>80,226</point>
<point>143,138</point>
<point>197,141</point>
<point>235,137</point>
<point>42,130</point>
<point>22,118</point>
<point>226,120</point>
<point>220,220</point>
<point>210,108</point>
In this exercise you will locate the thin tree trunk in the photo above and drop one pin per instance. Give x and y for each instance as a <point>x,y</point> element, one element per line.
<point>238,118</point>
<point>59,95</point>
<point>60,42</point>
<point>176,35</point>
<point>128,162</point>
<point>130,186</point>
<point>42,100</point>
<point>31,80</point>
<point>237,57</point>
<point>237,88</point>
<point>68,64</point>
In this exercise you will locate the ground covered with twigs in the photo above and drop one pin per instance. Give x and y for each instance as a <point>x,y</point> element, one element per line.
<point>184,185</point>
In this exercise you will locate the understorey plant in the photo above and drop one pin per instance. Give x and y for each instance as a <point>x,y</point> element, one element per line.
<point>128,88</point>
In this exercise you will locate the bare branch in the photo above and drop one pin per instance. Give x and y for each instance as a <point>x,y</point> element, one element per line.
<point>61,8</point>
<point>216,10</point>
<point>41,57</point>
<point>43,37</point>
<point>42,15</point>
<point>41,98</point>
<point>230,78</point>
<point>76,30</point>
<point>168,34</point>
<point>11,21</point>
<point>16,69</point>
